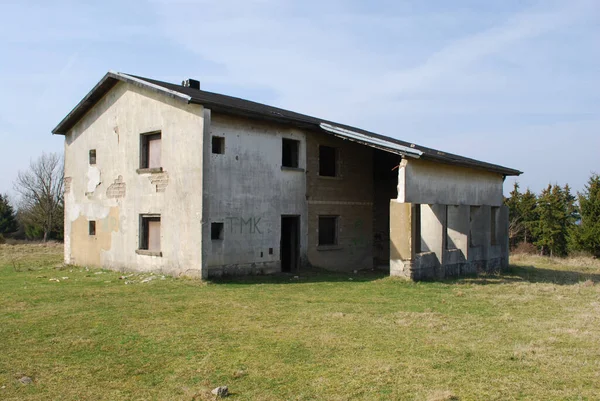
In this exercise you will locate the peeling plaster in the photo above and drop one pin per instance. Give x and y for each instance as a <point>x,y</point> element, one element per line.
<point>93,179</point>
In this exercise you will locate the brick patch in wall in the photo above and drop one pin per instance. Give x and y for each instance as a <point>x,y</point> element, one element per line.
<point>161,180</point>
<point>67,184</point>
<point>117,189</point>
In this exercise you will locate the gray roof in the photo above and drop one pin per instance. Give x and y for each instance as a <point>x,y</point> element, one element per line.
<point>236,106</point>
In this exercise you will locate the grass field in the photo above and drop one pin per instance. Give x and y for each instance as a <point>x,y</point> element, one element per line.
<point>531,333</point>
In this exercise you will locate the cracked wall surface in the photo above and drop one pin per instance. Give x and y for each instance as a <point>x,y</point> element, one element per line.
<point>114,194</point>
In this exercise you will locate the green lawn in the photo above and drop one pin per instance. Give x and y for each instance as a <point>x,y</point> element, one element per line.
<point>532,333</point>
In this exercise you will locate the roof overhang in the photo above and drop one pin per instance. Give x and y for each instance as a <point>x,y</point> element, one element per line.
<point>106,84</point>
<point>370,141</point>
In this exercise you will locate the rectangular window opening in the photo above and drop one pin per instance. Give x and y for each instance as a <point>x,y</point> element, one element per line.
<point>328,161</point>
<point>328,230</point>
<point>92,156</point>
<point>150,233</point>
<point>92,227</point>
<point>150,150</point>
<point>216,231</point>
<point>218,145</point>
<point>289,153</point>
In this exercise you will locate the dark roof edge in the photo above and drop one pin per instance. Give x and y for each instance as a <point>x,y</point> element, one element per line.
<point>236,106</point>
<point>432,154</point>
<point>100,89</point>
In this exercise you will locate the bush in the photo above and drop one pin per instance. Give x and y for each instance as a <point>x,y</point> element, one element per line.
<point>525,248</point>
<point>2,240</point>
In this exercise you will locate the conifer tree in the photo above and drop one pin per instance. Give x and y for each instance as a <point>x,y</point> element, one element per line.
<point>8,221</point>
<point>587,233</point>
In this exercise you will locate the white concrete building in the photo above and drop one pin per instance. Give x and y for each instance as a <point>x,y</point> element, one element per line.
<point>169,178</point>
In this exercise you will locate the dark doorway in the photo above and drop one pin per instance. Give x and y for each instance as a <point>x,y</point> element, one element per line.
<point>290,243</point>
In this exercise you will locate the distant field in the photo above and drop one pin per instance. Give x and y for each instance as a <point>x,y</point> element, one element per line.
<point>532,333</point>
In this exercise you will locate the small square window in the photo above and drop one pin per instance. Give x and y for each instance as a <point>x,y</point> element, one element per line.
<point>289,153</point>
<point>216,231</point>
<point>93,156</point>
<point>150,233</point>
<point>328,161</point>
<point>92,227</point>
<point>218,145</point>
<point>328,230</point>
<point>150,156</point>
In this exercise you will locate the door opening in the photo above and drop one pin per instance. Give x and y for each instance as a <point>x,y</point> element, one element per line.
<point>290,243</point>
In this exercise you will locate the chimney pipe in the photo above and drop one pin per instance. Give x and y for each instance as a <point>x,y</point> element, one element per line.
<point>191,83</point>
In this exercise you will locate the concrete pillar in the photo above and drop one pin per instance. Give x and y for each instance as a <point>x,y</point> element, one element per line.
<point>402,226</point>
<point>206,153</point>
<point>503,235</point>
<point>458,229</point>
<point>479,237</point>
<point>433,223</point>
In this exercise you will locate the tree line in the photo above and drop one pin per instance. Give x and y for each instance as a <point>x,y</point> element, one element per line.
<point>556,222</point>
<point>39,211</point>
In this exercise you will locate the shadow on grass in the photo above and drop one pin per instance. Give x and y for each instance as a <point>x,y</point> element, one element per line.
<point>514,274</point>
<point>305,275</point>
<point>531,274</point>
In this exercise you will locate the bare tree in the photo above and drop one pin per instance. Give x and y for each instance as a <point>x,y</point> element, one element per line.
<point>41,191</point>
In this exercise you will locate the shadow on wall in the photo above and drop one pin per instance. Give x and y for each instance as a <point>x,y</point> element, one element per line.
<point>306,275</point>
<point>531,274</point>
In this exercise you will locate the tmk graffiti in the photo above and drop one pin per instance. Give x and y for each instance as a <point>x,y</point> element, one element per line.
<point>240,225</point>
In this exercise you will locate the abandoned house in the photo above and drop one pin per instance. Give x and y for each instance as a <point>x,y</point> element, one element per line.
<point>170,178</point>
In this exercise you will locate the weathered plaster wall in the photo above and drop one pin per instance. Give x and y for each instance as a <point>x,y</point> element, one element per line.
<point>114,195</point>
<point>249,191</point>
<point>421,181</point>
<point>349,196</point>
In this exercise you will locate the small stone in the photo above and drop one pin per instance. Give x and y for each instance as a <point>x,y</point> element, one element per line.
<point>26,380</point>
<point>355,271</point>
<point>146,280</point>
<point>55,280</point>
<point>122,277</point>
<point>221,391</point>
<point>65,278</point>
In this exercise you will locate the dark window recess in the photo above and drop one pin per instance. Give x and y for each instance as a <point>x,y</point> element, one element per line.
<point>270,251</point>
<point>218,145</point>
<point>327,161</point>
<point>328,228</point>
<point>150,150</point>
<point>150,233</point>
<point>418,248</point>
<point>93,156</point>
<point>216,231</point>
<point>289,153</point>
<point>92,227</point>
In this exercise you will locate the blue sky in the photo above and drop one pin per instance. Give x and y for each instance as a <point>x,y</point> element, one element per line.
<point>510,82</point>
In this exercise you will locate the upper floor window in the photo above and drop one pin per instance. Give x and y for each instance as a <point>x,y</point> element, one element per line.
<point>328,163</point>
<point>290,150</point>
<point>218,145</point>
<point>92,156</point>
<point>150,150</point>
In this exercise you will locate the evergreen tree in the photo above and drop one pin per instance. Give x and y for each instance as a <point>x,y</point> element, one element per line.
<point>529,214</point>
<point>557,214</point>
<point>587,234</point>
<point>515,219</point>
<point>8,221</point>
